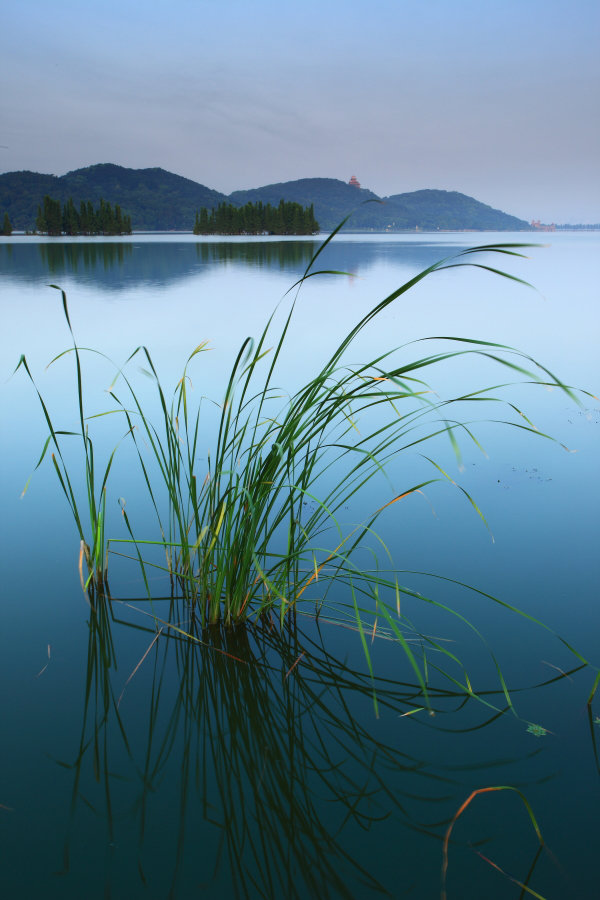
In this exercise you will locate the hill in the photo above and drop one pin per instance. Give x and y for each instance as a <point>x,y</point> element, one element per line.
<point>332,199</point>
<point>430,209</point>
<point>154,198</point>
<point>426,209</point>
<point>22,192</point>
<point>158,200</point>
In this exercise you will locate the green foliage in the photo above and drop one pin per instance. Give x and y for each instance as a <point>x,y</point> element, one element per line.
<point>257,530</point>
<point>40,222</point>
<point>6,225</point>
<point>155,199</point>
<point>428,209</point>
<point>332,200</point>
<point>52,216</point>
<point>103,220</point>
<point>448,210</point>
<point>21,194</point>
<point>536,730</point>
<point>256,218</point>
<point>160,200</point>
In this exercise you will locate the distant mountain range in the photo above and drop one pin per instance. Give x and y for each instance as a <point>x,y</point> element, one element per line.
<point>158,200</point>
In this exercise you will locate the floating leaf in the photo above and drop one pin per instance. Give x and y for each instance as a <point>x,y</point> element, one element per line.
<point>536,730</point>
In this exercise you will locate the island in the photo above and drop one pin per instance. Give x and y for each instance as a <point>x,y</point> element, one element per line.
<point>53,220</point>
<point>257,218</point>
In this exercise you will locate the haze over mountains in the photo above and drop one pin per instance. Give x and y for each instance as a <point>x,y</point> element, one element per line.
<point>158,200</point>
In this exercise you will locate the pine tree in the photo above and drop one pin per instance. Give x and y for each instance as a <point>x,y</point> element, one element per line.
<point>118,220</point>
<point>40,222</point>
<point>256,218</point>
<point>84,225</point>
<point>6,227</point>
<point>298,220</point>
<point>52,216</point>
<point>54,220</point>
<point>71,223</point>
<point>91,218</point>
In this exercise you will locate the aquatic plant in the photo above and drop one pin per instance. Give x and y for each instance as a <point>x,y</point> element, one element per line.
<point>258,529</point>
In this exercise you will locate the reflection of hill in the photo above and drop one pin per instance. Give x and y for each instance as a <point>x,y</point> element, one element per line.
<point>116,266</point>
<point>119,265</point>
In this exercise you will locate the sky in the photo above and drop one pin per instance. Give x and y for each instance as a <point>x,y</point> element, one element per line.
<point>496,100</point>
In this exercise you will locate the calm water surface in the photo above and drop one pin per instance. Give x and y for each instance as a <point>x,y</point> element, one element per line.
<point>270,775</point>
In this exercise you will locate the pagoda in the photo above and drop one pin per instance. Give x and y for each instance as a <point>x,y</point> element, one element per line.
<point>354,181</point>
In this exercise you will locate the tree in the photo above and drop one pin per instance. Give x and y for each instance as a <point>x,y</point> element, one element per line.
<point>53,220</point>
<point>256,218</point>
<point>40,222</point>
<point>6,227</point>
<point>71,221</point>
<point>52,216</point>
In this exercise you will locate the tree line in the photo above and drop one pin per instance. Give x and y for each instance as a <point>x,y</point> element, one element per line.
<point>257,218</point>
<point>53,219</point>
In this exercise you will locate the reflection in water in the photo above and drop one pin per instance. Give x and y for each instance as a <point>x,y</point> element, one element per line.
<point>271,779</point>
<point>62,257</point>
<point>285,255</point>
<point>218,775</point>
<point>124,264</point>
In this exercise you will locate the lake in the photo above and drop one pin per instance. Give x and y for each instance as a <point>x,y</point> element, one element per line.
<point>263,763</point>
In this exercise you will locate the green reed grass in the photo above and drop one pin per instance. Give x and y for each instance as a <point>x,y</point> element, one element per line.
<point>238,535</point>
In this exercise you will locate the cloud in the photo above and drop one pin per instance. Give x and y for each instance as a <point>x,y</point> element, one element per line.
<point>415,95</point>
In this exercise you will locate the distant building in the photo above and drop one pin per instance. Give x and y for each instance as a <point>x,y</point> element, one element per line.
<point>354,181</point>
<point>539,226</point>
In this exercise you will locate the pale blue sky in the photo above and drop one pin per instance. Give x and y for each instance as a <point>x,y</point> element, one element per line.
<point>497,100</point>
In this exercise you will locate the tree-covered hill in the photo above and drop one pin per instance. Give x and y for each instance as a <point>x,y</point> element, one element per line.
<point>333,199</point>
<point>22,192</point>
<point>158,200</point>
<point>426,209</point>
<point>155,199</point>
<point>431,209</point>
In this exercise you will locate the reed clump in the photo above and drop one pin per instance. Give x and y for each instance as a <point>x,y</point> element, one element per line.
<point>238,536</point>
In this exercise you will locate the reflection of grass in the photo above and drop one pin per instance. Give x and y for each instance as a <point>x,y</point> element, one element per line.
<point>254,740</point>
<point>536,828</point>
<point>238,535</point>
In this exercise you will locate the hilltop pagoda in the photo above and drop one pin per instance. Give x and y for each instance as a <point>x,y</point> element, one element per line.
<point>354,181</point>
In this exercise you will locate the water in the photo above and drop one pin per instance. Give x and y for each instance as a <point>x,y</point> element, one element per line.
<point>269,774</point>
